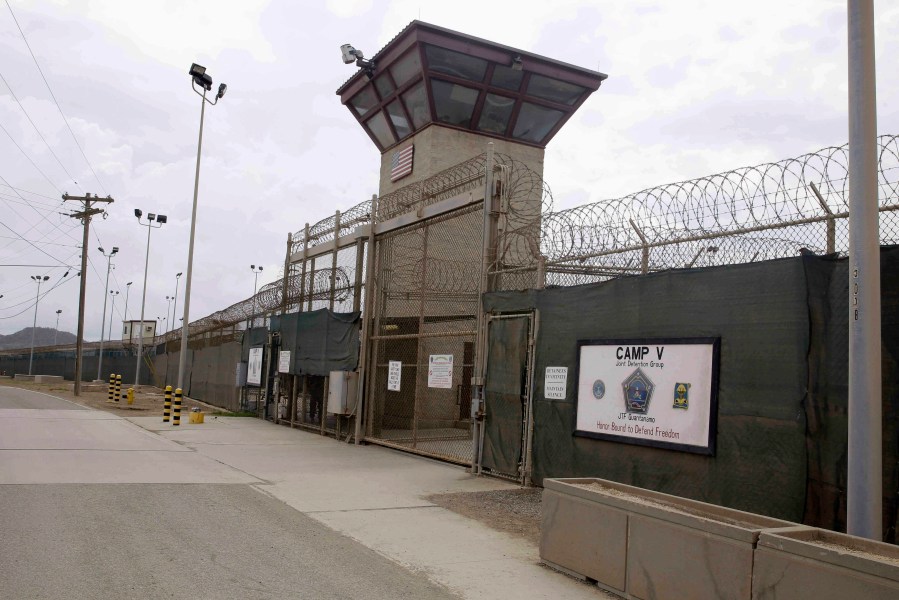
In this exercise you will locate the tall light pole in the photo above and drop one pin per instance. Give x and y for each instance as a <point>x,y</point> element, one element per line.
<point>112,311</point>
<point>864,472</point>
<point>198,78</point>
<point>167,310</point>
<point>255,280</point>
<point>109,256</point>
<point>56,335</point>
<point>160,219</point>
<point>37,299</point>
<point>127,291</point>
<point>175,306</point>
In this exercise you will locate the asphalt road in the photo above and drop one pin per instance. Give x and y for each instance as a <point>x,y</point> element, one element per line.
<point>94,507</point>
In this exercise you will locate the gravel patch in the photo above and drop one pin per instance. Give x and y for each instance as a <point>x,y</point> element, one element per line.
<point>516,511</point>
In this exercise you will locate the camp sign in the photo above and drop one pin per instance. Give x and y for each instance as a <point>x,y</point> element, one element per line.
<point>651,392</point>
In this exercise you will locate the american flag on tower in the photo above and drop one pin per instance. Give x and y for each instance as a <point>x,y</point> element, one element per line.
<point>401,163</point>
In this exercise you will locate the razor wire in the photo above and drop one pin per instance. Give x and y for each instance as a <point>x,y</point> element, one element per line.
<point>744,215</point>
<point>751,200</point>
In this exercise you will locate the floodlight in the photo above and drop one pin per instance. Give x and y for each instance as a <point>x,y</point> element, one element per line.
<point>516,63</point>
<point>222,88</point>
<point>115,249</point>
<point>349,53</point>
<point>197,70</point>
<point>138,213</point>
<point>151,216</point>
<point>101,249</point>
<point>162,219</point>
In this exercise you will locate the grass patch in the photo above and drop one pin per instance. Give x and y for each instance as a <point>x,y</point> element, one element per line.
<point>242,413</point>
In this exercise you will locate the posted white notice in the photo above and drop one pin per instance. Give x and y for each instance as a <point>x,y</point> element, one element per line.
<point>555,383</point>
<point>254,368</point>
<point>649,392</point>
<point>284,361</point>
<point>394,374</point>
<point>440,371</point>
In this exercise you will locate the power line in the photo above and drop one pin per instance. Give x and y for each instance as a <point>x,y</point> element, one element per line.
<point>41,250</point>
<point>29,192</point>
<point>64,119</point>
<point>42,216</point>
<point>27,308</point>
<point>25,202</point>
<point>9,237</point>
<point>40,135</point>
<point>29,159</point>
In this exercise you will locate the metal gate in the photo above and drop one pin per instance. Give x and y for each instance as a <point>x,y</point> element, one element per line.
<point>508,422</point>
<point>426,301</point>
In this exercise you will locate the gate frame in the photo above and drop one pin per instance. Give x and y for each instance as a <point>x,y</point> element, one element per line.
<point>527,423</point>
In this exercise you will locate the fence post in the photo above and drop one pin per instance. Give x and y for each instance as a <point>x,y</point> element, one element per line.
<point>831,221</point>
<point>285,286</point>
<point>487,249</point>
<point>644,262</point>
<point>541,272</point>
<point>366,317</point>
<point>334,260</point>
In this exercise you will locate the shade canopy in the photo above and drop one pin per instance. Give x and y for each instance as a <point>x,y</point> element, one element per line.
<point>431,75</point>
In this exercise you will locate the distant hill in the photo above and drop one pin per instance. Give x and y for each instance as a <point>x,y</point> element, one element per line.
<point>43,336</point>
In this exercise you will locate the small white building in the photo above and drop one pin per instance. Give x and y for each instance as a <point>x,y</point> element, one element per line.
<point>131,330</point>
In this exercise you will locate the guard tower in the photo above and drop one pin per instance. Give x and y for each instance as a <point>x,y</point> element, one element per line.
<point>455,217</point>
<point>446,94</point>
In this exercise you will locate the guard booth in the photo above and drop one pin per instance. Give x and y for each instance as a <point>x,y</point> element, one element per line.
<point>459,122</point>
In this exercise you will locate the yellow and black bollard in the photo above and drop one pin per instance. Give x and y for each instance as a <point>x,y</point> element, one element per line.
<point>176,414</point>
<point>118,386</point>
<point>167,406</point>
<point>110,396</point>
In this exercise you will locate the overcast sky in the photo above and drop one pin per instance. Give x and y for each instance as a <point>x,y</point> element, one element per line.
<point>695,87</point>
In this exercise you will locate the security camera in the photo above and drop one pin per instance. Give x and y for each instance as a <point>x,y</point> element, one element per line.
<point>350,54</point>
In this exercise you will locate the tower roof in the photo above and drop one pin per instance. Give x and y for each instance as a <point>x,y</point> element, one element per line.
<point>432,75</point>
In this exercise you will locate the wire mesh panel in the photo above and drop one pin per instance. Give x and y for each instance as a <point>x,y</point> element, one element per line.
<point>425,323</point>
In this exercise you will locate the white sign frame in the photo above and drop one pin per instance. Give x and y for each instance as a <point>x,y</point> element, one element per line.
<point>661,414</point>
<point>555,383</point>
<point>394,375</point>
<point>254,367</point>
<point>284,361</point>
<point>440,371</point>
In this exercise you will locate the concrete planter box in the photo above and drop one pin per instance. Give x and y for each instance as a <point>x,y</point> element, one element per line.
<point>644,544</point>
<point>801,562</point>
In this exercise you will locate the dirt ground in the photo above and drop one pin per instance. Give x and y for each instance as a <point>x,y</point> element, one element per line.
<point>148,400</point>
<point>516,512</point>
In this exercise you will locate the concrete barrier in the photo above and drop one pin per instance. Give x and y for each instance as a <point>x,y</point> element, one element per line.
<point>39,378</point>
<point>644,544</point>
<point>802,562</point>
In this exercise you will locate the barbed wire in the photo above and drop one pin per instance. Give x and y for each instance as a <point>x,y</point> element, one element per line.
<point>744,215</point>
<point>775,196</point>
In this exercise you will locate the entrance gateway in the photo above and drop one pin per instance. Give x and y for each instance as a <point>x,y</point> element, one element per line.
<point>460,123</point>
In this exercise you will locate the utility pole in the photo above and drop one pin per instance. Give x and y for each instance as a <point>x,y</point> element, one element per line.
<point>88,210</point>
<point>864,483</point>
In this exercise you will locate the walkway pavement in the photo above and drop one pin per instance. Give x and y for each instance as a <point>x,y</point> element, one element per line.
<point>375,496</point>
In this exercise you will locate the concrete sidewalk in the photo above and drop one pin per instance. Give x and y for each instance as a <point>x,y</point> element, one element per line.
<point>375,496</point>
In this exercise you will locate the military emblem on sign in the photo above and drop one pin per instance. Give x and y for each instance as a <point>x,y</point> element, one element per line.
<point>637,392</point>
<point>599,389</point>
<point>682,395</point>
